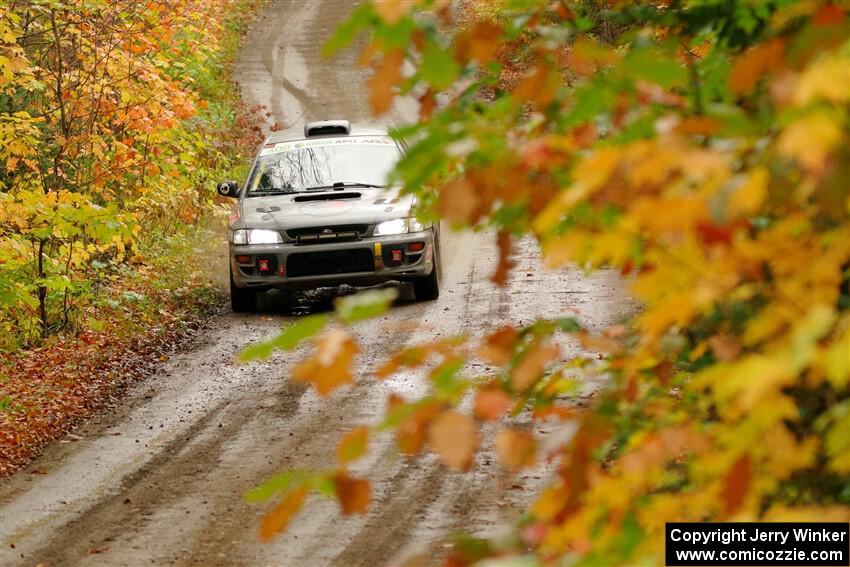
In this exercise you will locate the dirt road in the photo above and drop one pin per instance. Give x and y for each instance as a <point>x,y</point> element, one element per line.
<point>161,480</point>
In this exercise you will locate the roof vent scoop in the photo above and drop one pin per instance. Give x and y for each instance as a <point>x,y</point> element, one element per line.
<point>326,127</point>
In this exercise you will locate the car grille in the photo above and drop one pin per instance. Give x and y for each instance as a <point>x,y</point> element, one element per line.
<point>316,234</point>
<point>330,262</point>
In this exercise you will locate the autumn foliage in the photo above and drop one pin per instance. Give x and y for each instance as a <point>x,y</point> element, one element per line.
<point>114,122</point>
<point>702,150</point>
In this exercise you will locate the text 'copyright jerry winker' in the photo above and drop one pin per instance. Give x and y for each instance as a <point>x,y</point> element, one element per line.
<point>743,543</point>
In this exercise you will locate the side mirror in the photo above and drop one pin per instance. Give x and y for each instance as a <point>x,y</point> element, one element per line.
<point>228,189</point>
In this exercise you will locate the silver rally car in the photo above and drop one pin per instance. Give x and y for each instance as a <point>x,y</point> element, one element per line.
<point>315,212</point>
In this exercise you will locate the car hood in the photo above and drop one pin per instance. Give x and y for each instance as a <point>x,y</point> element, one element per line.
<point>326,208</point>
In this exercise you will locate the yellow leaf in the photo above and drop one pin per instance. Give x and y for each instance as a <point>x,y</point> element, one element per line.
<point>749,195</point>
<point>810,140</point>
<point>828,78</point>
<point>837,361</point>
<point>454,437</point>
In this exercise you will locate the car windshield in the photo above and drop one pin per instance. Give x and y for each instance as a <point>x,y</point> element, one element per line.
<point>290,167</point>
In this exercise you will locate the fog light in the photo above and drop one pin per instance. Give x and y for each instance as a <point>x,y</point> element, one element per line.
<point>416,246</point>
<point>243,259</point>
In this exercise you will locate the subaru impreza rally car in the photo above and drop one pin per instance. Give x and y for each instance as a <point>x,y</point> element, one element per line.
<point>315,212</point>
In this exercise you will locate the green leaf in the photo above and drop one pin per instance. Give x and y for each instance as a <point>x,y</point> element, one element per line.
<point>446,380</point>
<point>568,325</point>
<point>656,67</point>
<point>438,67</point>
<point>278,483</point>
<point>326,486</point>
<point>399,414</point>
<point>289,338</point>
<point>365,305</point>
<point>348,30</point>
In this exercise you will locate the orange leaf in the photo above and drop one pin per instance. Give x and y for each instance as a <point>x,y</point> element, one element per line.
<point>828,15</point>
<point>491,404</point>
<point>391,11</point>
<point>530,368</point>
<point>480,43</point>
<point>539,86</point>
<point>736,485</point>
<point>275,521</point>
<point>725,347</point>
<point>503,240</point>
<point>427,104</point>
<point>485,41</point>
<point>587,56</point>
<point>353,445</point>
<point>387,75</point>
<point>410,435</point>
<point>454,437</point>
<point>410,357</point>
<point>702,125</point>
<point>516,449</point>
<point>750,66</point>
<point>458,202</point>
<point>498,346</point>
<point>354,494</point>
<point>330,366</point>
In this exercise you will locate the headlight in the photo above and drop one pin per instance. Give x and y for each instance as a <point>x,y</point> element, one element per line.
<point>399,226</point>
<point>256,236</point>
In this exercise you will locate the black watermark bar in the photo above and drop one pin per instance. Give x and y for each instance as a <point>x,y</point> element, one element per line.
<point>758,543</point>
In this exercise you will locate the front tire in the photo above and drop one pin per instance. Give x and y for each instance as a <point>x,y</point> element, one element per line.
<point>242,300</point>
<point>428,287</point>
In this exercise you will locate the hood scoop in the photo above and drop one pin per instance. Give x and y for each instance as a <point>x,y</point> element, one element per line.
<point>326,197</point>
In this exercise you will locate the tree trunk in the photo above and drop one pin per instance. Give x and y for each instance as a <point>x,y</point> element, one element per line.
<point>42,290</point>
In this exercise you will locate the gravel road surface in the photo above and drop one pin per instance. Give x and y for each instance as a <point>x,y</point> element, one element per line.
<point>161,479</point>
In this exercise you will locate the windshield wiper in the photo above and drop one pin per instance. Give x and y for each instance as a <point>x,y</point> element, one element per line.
<point>340,185</point>
<point>260,192</point>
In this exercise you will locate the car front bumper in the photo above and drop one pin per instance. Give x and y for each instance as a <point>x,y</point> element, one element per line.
<point>368,261</point>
